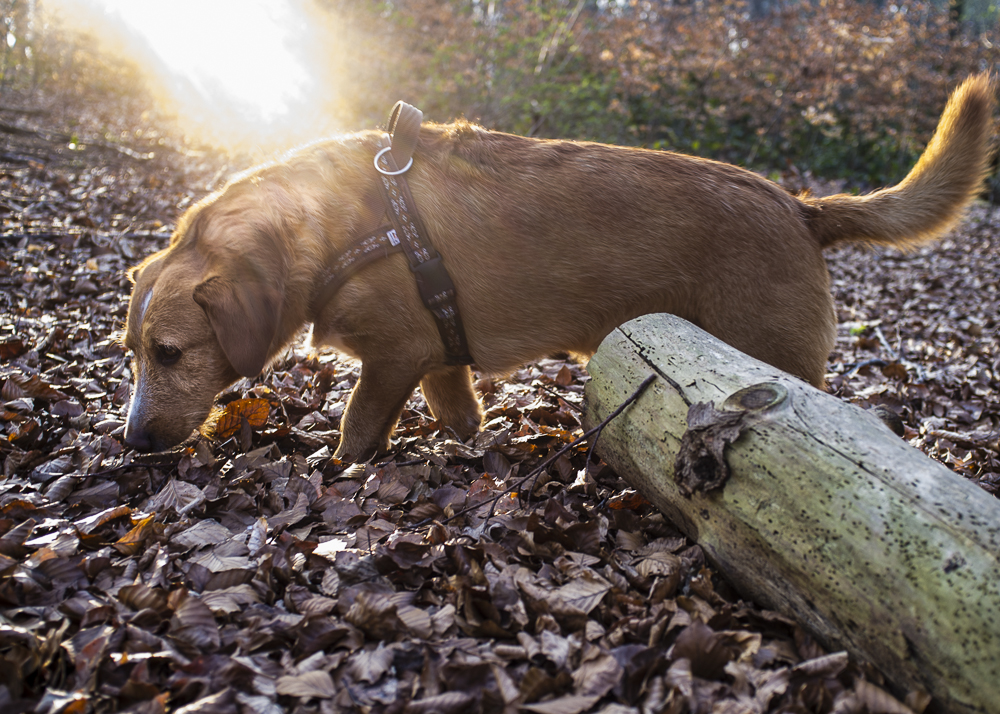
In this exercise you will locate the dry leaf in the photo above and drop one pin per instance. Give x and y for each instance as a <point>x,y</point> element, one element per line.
<point>878,701</point>
<point>255,411</point>
<point>370,664</point>
<point>315,684</point>
<point>193,626</point>
<point>177,495</point>
<point>135,539</point>
<point>569,704</point>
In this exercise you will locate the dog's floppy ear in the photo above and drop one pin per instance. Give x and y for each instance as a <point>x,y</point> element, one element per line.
<point>244,313</point>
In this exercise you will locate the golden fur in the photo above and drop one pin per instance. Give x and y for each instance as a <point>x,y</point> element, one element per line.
<point>550,244</point>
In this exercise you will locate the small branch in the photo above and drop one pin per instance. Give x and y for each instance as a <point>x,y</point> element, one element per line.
<point>538,469</point>
<point>21,131</point>
<point>60,138</point>
<point>25,111</point>
<point>980,440</point>
<point>576,407</point>
<point>51,235</point>
<point>549,48</point>
<point>893,355</point>
<point>853,369</point>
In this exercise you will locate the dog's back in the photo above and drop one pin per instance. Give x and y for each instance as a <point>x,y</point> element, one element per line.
<point>585,236</point>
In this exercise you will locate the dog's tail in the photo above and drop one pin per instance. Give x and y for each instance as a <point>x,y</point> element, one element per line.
<point>932,198</point>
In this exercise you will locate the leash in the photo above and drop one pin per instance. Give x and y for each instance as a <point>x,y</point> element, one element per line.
<point>406,234</point>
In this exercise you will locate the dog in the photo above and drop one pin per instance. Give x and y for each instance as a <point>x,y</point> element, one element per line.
<point>550,245</point>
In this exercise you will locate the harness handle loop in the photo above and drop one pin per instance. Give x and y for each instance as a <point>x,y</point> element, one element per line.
<point>404,130</point>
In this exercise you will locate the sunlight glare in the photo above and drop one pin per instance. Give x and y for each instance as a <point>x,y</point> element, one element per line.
<point>239,67</point>
<point>243,49</point>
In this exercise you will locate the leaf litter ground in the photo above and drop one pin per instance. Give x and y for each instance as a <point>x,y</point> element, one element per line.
<point>252,573</point>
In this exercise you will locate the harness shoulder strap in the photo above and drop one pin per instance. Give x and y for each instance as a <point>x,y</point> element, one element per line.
<point>437,291</point>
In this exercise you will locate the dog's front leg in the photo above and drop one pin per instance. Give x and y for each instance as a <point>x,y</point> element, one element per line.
<point>373,409</point>
<point>452,399</point>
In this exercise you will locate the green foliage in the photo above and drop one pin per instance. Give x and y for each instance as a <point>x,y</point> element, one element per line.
<point>845,89</point>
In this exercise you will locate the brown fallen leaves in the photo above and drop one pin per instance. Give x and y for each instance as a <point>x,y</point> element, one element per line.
<point>920,335</point>
<point>218,579</point>
<point>701,464</point>
<point>223,579</point>
<point>252,412</point>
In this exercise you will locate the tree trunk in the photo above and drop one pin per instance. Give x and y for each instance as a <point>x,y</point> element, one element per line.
<point>827,515</point>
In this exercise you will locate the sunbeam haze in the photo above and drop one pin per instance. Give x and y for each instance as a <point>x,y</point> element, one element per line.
<point>236,72</point>
<point>238,50</point>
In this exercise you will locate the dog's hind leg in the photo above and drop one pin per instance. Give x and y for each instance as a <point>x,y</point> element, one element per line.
<point>795,337</point>
<point>374,408</point>
<point>452,399</point>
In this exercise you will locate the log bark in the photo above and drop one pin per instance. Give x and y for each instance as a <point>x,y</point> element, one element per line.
<point>827,516</point>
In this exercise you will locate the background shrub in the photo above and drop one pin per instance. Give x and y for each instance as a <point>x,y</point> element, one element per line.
<point>847,89</point>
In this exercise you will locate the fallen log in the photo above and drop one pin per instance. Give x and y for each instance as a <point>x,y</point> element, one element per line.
<point>826,516</point>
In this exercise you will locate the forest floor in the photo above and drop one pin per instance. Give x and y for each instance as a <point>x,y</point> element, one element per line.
<point>252,572</point>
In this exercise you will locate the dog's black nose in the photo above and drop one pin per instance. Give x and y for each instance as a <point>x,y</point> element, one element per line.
<point>139,439</point>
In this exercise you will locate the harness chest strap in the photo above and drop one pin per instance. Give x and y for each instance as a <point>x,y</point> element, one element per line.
<point>406,234</point>
<point>380,243</point>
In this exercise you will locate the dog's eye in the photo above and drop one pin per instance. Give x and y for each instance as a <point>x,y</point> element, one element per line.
<point>167,354</point>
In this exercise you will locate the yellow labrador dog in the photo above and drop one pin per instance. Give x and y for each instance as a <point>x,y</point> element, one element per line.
<point>549,244</point>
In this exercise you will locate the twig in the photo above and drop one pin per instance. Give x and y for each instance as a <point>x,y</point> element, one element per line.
<point>25,111</point>
<point>564,28</point>
<point>538,469</point>
<point>554,393</point>
<point>51,235</point>
<point>988,440</point>
<point>21,131</point>
<point>145,461</point>
<point>537,472</point>
<point>60,138</point>
<point>411,462</point>
<point>858,366</point>
<point>893,355</point>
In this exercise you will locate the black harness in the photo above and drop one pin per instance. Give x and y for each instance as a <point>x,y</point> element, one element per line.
<point>405,233</point>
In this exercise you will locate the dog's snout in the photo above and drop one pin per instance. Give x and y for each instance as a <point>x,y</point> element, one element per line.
<point>138,435</point>
<point>138,439</point>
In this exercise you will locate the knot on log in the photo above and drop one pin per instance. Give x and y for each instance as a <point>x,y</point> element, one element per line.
<point>701,464</point>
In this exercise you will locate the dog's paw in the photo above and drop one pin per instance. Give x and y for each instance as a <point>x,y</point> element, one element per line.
<point>467,427</point>
<point>359,456</point>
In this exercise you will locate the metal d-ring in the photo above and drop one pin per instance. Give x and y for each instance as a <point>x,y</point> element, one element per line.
<point>391,173</point>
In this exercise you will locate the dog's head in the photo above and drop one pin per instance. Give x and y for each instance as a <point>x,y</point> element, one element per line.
<point>203,313</point>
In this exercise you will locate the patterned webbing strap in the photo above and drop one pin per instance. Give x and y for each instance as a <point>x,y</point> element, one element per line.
<point>407,234</point>
<point>373,246</point>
